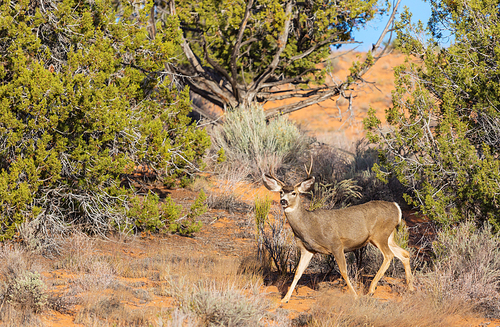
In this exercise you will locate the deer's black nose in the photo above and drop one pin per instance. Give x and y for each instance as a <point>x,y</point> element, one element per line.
<point>284,203</point>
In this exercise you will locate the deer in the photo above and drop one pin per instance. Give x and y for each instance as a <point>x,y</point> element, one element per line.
<point>337,231</point>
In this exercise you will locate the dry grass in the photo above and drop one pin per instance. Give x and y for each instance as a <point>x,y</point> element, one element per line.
<point>467,269</point>
<point>110,310</point>
<point>223,195</point>
<point>10,316</point>
<point>345,310</point>
<point>464,282</point>
<point>207,287</point>
<point>77,252</point>
<point>116,283</point>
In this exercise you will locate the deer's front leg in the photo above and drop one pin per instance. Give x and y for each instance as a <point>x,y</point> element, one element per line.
<point>305,258</point>
<point>339,256</point>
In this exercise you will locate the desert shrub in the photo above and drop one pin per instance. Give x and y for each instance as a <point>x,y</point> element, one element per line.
<point>226,307</point>
<point>441,136</point>
<point>372,188</point>
<point>27,291</point>
<point>346,178</point>
<point>338,194</point>
<point>250,140</point>
<point>78,115</point>
<point>22,290</point>
<point>330,164</point>
<point>466,268</point>
<point>150,214</point>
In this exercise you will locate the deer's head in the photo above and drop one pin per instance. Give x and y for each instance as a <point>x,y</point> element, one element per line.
<point>289,195</point>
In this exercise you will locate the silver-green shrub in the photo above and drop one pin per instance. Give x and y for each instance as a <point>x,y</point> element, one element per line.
<point>467,268</point>
<point>248,139</point>
<point>28,291</point>
<point>228,307</point>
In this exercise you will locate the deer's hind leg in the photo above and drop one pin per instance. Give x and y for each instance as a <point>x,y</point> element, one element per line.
<point>404,256</point>
<point>388,255</point>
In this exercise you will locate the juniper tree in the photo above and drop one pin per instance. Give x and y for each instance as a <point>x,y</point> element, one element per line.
<point>86,96</point>
<point>443,136</point>
<point>235,53</point>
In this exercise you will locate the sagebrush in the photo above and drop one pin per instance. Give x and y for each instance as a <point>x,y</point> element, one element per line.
<point>248,139</point>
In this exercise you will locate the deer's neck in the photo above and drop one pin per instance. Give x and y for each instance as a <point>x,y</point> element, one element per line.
<point>296,216</point>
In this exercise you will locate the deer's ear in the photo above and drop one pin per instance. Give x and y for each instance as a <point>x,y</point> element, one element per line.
<point>270,183</point>
<point>305,186</point>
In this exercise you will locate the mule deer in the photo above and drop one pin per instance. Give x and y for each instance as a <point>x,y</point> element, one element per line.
<point>340,230</point>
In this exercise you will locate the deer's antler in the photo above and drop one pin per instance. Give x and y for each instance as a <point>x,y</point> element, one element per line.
<point>272,175</point>
<point>308,171</point>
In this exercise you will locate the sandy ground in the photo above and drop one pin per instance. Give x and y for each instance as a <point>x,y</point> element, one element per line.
<point>230,235</point>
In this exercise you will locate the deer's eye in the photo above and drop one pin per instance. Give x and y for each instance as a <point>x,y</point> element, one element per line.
<point>294,193</point>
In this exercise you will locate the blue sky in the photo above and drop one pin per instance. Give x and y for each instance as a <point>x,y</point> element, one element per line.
<point>421,10</point>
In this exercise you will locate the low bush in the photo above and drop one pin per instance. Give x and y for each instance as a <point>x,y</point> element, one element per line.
<point>466,268</point>
<point>23,293</point>
<point>226,307</point>
<point>149,214</point>
<point>248,139</point>
<point>27,291</point>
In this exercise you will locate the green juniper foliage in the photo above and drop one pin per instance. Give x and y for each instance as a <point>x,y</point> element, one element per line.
<point>444,136</point>
<point>85,96</point>
<point>150,214</point>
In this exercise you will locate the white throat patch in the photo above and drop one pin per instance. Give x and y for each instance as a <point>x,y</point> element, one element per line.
<point>289,209</point>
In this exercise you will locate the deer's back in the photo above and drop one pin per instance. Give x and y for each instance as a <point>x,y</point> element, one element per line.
<point>350,227</point>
